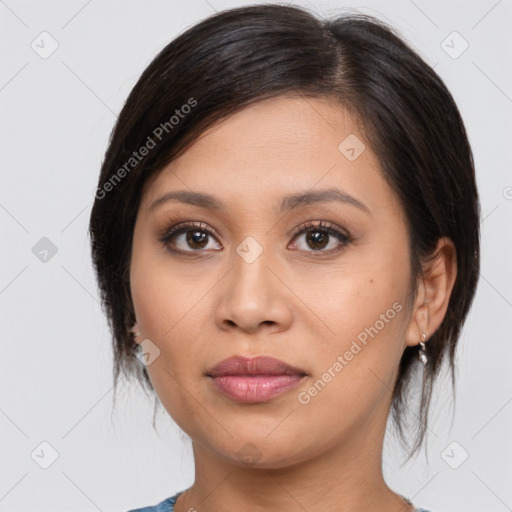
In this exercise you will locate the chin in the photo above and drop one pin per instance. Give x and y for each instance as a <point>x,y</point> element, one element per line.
<point>261,453</point>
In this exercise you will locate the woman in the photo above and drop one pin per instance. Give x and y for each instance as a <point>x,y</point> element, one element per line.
<point>285,232</point>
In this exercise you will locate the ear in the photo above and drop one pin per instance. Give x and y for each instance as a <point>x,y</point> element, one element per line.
<point>136,333</point>
<point>433,292</point>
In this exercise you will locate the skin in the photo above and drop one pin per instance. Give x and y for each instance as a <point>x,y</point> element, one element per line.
<point>293,302</point>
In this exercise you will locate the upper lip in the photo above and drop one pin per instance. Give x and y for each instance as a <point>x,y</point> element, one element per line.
<point>262,365</point>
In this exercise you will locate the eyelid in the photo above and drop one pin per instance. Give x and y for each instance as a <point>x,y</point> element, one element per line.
<point>173,224</point>
<point>176,221</point>
<point>167,232</point>
<point>320,225</point>
<point>333,230</point>
<point>176,227</point>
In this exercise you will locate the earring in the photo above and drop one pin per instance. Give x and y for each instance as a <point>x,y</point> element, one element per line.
<point>422,354</point>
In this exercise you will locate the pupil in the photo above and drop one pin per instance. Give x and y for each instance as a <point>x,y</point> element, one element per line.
<point>196,237</point>
<point>318,237</point>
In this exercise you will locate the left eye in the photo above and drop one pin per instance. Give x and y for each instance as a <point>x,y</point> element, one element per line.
<point>195,237</point>
<point>320,236</point>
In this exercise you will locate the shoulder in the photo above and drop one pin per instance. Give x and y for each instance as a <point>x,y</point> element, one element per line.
<point>164,506</point>
<point>168,506</point>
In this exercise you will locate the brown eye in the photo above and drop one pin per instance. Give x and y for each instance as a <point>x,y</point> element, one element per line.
<point>321,237</point>
<point>188,237</point>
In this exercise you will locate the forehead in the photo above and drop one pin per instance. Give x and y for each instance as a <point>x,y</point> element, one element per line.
<point>272,148</point>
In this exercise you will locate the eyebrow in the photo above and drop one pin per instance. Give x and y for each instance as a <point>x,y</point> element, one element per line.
<point>287,203</point>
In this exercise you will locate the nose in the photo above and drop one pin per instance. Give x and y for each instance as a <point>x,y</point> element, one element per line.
<point>254,296</point>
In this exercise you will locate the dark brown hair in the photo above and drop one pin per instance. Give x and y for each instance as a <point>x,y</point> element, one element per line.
<point>243,55</point>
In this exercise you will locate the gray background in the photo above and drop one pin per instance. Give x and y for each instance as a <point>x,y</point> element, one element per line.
<point>56,114</point>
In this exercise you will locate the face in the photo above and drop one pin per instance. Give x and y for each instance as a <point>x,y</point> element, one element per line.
<point>321,283</point>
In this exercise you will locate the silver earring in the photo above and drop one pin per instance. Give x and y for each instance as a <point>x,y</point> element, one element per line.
<point>422,354</point>
<point>136,334</point>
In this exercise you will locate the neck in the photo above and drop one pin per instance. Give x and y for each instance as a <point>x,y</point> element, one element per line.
<point>346,476</point>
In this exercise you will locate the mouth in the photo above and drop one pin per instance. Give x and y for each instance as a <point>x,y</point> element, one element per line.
<point>254,380</point>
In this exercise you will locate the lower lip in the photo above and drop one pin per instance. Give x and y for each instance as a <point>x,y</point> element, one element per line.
<point>255,388</point>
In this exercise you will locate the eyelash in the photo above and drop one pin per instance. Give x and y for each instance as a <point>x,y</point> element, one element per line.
<point>326,227</point>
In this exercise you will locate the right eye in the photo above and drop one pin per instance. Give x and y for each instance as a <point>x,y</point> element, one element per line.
<point>187,237</point>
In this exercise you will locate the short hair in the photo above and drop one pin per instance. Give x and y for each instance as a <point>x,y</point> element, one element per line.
<point>240,56</point>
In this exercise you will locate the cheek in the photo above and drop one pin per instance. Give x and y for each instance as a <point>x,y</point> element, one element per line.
<point>165,313</point>
<point>167,319</point>
<point>354,370</point>
<point>162,298</point>
<point>362,309</point>
<point>357,293</point>
<point>167,308</point>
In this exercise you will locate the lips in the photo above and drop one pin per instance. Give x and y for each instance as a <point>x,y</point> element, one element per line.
<point>254,380</point>
<point>240,366</point>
